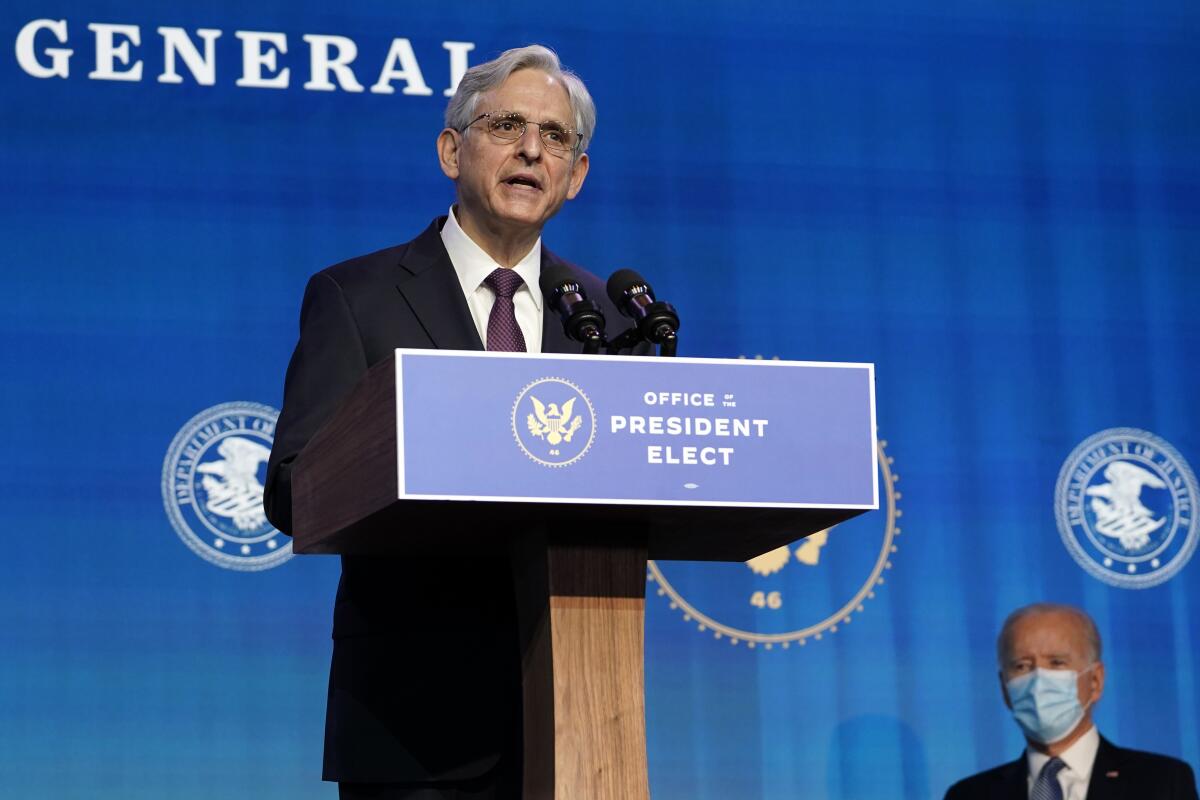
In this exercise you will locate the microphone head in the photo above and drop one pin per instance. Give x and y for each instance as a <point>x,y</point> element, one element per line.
<point>553,277</point>
<point>625,283</point>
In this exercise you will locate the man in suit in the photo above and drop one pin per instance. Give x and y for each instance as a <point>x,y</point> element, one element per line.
<point>424,688</point>
<point>1051,677</point>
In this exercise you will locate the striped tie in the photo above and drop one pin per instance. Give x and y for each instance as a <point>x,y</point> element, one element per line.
<point>1047,787</point>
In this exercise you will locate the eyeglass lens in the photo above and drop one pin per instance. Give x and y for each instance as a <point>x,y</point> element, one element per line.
<point>511,126</point>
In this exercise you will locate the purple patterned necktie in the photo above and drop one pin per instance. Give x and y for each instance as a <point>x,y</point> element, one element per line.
<point>503,332</point>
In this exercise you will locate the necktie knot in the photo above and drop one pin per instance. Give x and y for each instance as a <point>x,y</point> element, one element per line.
<point>504,282</point>
<point>1053,767</point>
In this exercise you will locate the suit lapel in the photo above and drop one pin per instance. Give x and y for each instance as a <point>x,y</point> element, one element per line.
<point>554,339</point>
<point>1106,782</point>
<point>430,287</point>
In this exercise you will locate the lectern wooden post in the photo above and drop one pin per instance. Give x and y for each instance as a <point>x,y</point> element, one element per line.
<point>579,562</point>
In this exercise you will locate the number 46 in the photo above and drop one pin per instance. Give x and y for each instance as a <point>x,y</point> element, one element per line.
<point>770,600</point>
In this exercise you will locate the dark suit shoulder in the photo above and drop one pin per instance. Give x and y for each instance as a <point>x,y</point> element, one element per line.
<point>1155,760</point>
<point>996,782</point>
<point>1152,774</point>
<point>391,264</point>
<point>366,270</point>
<point>368,262</point>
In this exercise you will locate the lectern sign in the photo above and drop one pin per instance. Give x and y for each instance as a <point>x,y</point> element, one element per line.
<point>557,428</point>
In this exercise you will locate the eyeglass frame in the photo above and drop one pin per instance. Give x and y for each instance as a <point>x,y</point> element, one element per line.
<point>525,123</point>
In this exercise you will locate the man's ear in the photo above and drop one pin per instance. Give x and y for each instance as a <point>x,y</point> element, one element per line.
<point>579,171</point>
<point>1004,690</point>
<point>449,143</point>
<point>1095,680</point>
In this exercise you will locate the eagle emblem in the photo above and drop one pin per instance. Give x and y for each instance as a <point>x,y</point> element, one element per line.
<point>552,424</point>
<point>1118,506</point>
<point>1123,503</point>
<point>808,553</point>
<point>212,490</point>
<point>564,429</point>
<point>232,483</point>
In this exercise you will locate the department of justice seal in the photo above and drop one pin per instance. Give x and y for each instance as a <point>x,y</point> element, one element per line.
<point>795,594</point>
<point>553,422</point>
<point>212,487</point>
<point>1125,503</point>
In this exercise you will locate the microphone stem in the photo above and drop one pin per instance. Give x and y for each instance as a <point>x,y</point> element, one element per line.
<point>669,343</point>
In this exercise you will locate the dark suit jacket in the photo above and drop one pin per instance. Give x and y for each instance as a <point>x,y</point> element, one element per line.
<point>1118,774</point>
<point>425,679</point>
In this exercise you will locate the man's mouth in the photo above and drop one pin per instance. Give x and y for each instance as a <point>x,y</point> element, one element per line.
<point>524,180</point>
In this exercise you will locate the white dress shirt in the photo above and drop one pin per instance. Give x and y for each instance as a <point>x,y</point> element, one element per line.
<point>473,266</point>
<point>1079,759</point>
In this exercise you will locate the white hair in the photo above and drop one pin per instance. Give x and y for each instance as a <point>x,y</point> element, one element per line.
<point>1091,634</point>
<point>482,78</point>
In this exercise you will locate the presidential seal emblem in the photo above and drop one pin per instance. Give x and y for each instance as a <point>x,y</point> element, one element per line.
<point>795,594</point>
<point>1126,508</point>
<point>212,487</point>
<point>553,422</point>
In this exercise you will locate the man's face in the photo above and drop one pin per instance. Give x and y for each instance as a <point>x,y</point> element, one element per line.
<point>513,186</point>
<point>1052,640</point>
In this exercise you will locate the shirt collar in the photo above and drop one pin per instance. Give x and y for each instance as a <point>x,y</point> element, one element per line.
<point>1079,757</point>
<point>473,265</point>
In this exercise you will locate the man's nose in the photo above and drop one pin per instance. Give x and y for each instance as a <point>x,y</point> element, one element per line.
<point>530,143</point>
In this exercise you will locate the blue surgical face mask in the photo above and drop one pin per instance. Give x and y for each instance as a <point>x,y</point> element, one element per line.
<point>1045,703</point>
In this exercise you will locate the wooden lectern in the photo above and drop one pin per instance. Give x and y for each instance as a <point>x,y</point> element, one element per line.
<point>581,588</point>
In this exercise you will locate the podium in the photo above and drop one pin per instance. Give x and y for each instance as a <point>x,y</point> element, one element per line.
<point>578,469</point>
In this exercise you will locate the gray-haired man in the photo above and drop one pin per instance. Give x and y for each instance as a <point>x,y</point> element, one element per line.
<point>424,688</point>
<point>1051,677</point>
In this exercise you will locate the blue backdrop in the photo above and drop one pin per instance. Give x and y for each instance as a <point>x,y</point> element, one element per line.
<point>998,205</point>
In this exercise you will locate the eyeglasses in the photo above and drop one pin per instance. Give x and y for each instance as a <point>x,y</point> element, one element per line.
<point>509,126</point>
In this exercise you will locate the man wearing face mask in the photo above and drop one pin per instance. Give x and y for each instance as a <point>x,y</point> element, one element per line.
<point>1051,677</point>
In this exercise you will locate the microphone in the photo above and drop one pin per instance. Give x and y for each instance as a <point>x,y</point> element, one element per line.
<point>582,319</point>
<point>656,321</point>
